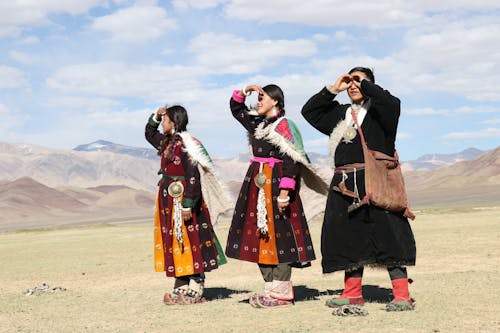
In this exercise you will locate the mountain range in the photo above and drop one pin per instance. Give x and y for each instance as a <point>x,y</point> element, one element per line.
<point>40,185</point>
<point>427,162</point>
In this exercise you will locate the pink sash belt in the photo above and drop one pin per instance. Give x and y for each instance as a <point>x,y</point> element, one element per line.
<point>269,160</point>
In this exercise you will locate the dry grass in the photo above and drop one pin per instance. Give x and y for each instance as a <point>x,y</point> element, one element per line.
<point>111,286</point>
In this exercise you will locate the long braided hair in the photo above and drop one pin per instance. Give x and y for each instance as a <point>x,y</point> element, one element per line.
<point>276,93</point>
<point>178,115</point>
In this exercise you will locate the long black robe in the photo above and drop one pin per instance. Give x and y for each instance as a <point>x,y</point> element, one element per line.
<point>369,235</point>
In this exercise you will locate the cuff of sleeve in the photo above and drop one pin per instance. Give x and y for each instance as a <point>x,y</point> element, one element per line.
<point>152,120</point>
<point>327,92</point>
<point>188,202</point>
<point>237,97</point>
<point>287,183</point>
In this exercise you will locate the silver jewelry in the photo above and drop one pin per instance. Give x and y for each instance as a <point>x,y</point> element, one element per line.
<point>260,180</point>
<point>175,189</point>
<point>349,134</point>
<point>283,200</point>
<point>245,92</point>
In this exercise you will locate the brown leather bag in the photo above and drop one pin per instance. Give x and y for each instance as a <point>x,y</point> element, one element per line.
<point>384,182</point>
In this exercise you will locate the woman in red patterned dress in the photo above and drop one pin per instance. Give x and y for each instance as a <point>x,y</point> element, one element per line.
<point>269,226</point>
<point>185,242</point>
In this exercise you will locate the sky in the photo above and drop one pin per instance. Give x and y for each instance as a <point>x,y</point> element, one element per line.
<point>76,71</point>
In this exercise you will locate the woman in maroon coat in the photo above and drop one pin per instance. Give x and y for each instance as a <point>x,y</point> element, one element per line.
<point>185,242</point>
<point>269,226</point>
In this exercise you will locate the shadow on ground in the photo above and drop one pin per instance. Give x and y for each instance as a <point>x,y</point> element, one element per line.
<point>211,294</point>
<point>371,293</point>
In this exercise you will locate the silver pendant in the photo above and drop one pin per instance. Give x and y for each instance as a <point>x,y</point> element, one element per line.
<point>349,134</point>
<point>175,189</point>
<point>260,180</point>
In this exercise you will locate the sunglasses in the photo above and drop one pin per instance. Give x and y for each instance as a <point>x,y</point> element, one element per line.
<point>356,78</point>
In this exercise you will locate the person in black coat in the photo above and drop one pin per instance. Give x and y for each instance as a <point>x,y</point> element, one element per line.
<point>368,235</point>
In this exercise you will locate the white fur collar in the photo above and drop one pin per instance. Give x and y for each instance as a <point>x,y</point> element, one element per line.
<point>342,126</point>
<point>196,151</point>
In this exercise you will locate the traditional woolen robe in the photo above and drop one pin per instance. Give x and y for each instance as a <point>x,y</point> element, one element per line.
<point>288,239</point>
<point>189,164</point>
<point>368,235</point>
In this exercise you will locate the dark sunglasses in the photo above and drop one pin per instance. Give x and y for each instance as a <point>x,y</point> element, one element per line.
<point>356,78</point>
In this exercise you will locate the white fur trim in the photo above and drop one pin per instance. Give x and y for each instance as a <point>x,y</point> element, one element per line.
<point>214,193</point>
<point>310,175</point>
<point>341,127</point>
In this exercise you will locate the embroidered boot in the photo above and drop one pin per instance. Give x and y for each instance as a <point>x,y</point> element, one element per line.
<point>194,292</point>
<point>352,294</point>
<point>253,299</point>
<point>280,295</point>
<point>180,287</point>
<point>402,300</point>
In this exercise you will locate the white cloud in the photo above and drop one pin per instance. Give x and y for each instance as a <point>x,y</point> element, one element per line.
<point>18,15</point>
<point>72,102</point>
<point>324,13</point>
<point>10,118</point>
<point>362,13</point>
<point>460,110</point>
<point>426,112</point>
<point>321,37</point>
<point>403,136</point>
<point>197,4</point>
<point>342,35</point>
<point>11,77</point>
<point>20,57</point>
<point>452,57</point>
<point>317,143</point>
<point>477,109</point>
<point>483,134</point>
<point>226,53</point>
<point>491,121</point>
<point>148,82</point>
<point>123,126</point>
<point>136,24</point>
<point>30,40</point>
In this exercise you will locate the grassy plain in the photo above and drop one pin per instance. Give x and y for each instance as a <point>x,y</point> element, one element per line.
<point>111,286</point>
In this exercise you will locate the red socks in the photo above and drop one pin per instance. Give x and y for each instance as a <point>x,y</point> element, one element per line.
<point>400,290</point>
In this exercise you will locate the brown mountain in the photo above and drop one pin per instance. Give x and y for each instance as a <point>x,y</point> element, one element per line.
<point>25,202</point>
<point>58,167</point>
<point>67,185</point>
<point>474,182</point>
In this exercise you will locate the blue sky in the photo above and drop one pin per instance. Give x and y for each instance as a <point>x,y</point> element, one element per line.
<point>75,71</point>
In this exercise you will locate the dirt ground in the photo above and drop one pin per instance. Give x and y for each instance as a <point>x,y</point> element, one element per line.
<point>110,284</point>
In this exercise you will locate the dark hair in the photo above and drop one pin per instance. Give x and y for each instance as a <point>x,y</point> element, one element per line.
<point>178,115</point>
<point>367,71</point>
<point>276,93</point>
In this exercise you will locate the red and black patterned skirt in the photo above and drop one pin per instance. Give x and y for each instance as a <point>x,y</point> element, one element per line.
<point>288,239</point>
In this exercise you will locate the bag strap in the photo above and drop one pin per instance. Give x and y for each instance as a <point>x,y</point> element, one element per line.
<point>383,156</point>
<point>360,131</point>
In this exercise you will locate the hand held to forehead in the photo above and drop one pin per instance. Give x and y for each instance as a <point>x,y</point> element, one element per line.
<point>343,82</point>
<point>254,87</point>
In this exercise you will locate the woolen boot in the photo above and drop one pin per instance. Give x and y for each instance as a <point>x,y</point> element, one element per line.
<point>352,293</point>
<point>402,300</point>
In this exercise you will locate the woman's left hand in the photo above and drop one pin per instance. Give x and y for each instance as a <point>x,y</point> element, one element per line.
<point>187,214</point>
<point>284,200</point>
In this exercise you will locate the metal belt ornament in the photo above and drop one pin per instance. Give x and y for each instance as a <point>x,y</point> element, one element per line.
<point>175,190</point>
<point>260,180</point>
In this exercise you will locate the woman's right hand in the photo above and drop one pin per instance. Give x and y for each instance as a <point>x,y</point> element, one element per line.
<point>343,82</point>
<point>251,88</point>
<point>160,112</point>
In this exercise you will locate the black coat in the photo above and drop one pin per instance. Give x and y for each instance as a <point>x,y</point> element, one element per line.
<point>369,235</point>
